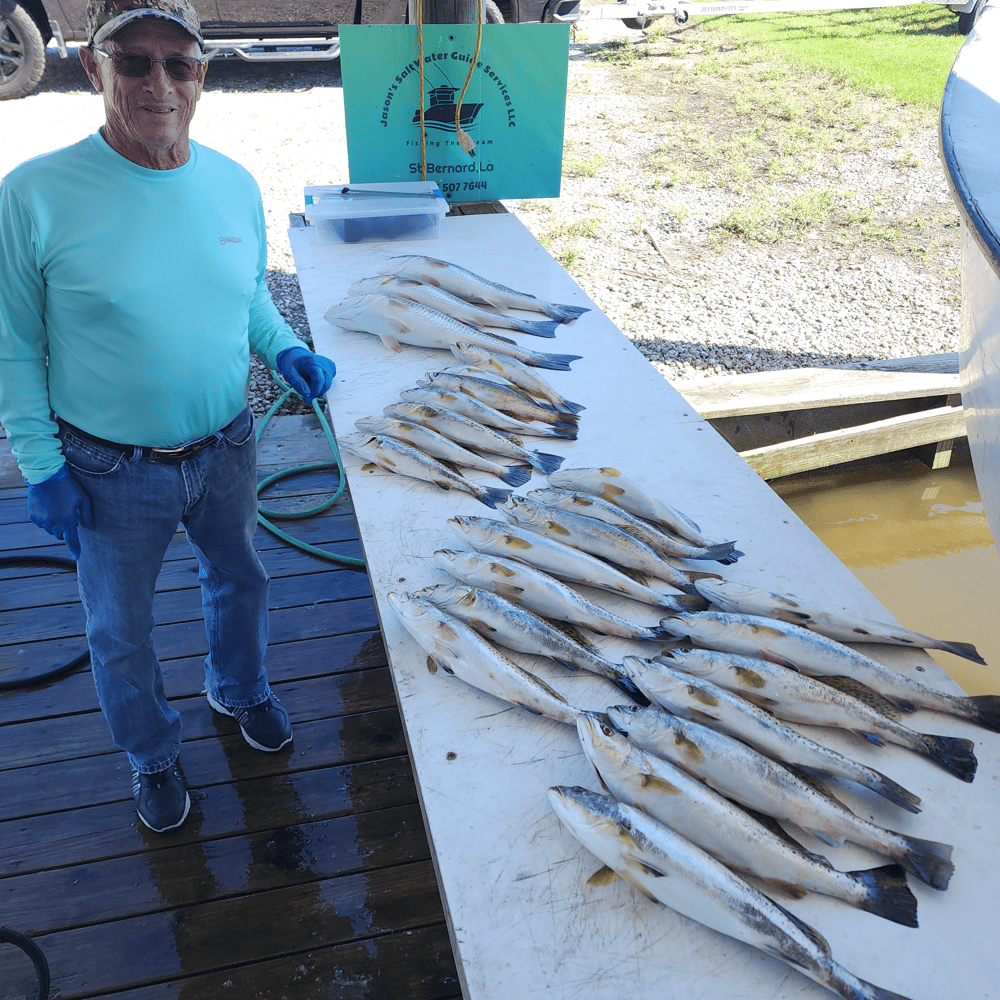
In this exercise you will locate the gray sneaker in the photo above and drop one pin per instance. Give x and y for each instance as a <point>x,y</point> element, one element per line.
<point>161,798</point>
<point>265,726</point>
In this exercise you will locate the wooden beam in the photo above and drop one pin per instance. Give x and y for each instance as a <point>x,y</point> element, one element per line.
<point>907,431</point>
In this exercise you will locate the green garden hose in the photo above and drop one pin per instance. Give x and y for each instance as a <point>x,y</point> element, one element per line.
<point>266,516</point>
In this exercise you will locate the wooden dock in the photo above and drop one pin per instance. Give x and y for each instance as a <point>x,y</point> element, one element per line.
<point>303,875</point>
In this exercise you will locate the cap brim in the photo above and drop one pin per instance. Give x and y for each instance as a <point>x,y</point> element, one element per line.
<point>120,20</point>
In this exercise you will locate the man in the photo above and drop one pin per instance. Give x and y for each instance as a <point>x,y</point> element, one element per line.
<point>132,294</point>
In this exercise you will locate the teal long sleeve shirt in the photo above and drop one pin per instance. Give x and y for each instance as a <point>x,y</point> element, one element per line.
<point>130,299</point>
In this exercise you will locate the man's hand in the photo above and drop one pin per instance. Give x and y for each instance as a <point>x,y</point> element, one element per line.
<point>59,506</point>
<point>310,375</point>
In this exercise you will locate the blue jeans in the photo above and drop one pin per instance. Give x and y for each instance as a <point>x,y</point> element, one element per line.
<point>137,507</point>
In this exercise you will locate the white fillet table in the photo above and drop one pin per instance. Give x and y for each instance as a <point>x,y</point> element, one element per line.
<point>523,920</point>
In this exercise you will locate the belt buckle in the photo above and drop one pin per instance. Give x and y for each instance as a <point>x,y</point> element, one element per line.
<point>174,456</point>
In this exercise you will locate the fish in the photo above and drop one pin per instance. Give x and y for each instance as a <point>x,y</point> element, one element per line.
<point>743,774</point>
<point>511,541</point>
<point>702,701</point>
<point>516,372</point>
<point>504,399</point>
<point>730,834</point>
<point>740,598</point>
<point>451,305</point>
<point>669,869</point>
<point>437,446</point>
<point>613,486</point>
<point>472,434</point>
<point>397,456</point>
<point>818,656</point>
<point>473,287</point>
<point>459,402</point>
<point>516,628</point>
<point>538,592</point>
<point>396,321</point>
<point>666,544</point>
<point>794,697</point>
<point>458,650</point>
<point>595,537</point>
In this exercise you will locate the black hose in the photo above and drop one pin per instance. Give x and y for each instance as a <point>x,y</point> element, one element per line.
<point>36,955</point>
<point>56,562</point>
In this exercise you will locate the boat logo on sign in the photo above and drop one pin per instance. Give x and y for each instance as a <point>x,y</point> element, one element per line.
<point>440,110</point>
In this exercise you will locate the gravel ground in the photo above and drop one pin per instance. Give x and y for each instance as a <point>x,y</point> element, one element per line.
<point>645,243</point>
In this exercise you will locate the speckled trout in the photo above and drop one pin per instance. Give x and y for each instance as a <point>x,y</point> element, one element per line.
<point>505,399</point>
<point>437,446</point>
<point>730,834</point>
<point>511,541</point>
<point>473,287</point>
<point>741,598</point>
<point>514,371</point>
<point>669,869</point>
<point>794,697</point>
<point>451,305</point>
<point>702,701</point>
<point>539,592</point>
<point>797,647</point>
<point>381,451</point>
<point>458,650</point>
<point>612,485</point>
<point>743,774</point>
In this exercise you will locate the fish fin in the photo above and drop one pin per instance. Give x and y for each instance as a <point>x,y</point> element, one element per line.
<point>369,467</point>
<point>684,602</point>
<point>567,431</point>
<point>779,660</point>
<point>811,776</point>
<point>782,888</point>
<point>545,463</point>
<point>491,497</point>
<point>872,738</point>
<point>432,666</point>
<point>811,932</point>
<point>442,484</point>
<point>603,876</point>
<point>480,626</point>
<point>573,633</point>
<point>985,711</point>
<point>566,314</point>
<point>887,894</point>
<point>929,860</point>
<point>547,687</point>
<point>528,708</point>
<point>722,552</point>
<point>657,784</point>
<point>557,362</point>
<point>731,557</point>
<point>878,993</point>
<point>895,792</point>
<point>629,687</point>
<point>855,688</point>
<point>508,590</point>
<point>953,754</point>
<point>964,649</point>
<point>516,475</point>
<point>391,342</point>
<point>827,838</point>
<point>568,406</point>
<point>541,328</point>
<point>771,824</point>
<point>568,664</point>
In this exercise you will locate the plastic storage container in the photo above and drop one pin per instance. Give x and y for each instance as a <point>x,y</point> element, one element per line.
<point>367,213</point>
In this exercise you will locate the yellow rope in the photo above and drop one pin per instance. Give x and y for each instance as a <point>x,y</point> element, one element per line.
<point>464,139</point>
<point>420,70</point>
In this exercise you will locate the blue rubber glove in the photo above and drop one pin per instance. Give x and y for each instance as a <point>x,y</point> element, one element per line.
<point>59,506</point>
<point>310,375</point>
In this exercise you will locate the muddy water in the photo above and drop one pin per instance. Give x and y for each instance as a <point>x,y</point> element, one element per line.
<point>918,540</point>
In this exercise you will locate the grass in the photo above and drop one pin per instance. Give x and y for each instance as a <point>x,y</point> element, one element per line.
<point>899,52</point>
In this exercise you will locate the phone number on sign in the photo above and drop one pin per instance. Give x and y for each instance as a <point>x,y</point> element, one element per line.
<point>452,187</point>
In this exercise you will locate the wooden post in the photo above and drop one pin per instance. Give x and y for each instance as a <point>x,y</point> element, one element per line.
<point>445,11</point>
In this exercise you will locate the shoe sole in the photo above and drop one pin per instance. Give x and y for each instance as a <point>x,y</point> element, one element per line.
<point>218,707</point>
<point>173,826</point>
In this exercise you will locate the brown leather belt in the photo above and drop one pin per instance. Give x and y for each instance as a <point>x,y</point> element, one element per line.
<point>162,456</point>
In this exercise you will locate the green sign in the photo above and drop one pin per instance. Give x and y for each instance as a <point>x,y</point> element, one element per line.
<point>513,110</point>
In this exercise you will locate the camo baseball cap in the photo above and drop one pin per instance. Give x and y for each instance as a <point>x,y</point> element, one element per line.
<point>105,17</point>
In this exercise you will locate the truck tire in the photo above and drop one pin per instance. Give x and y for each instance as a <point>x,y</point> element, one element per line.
<point>22,54</point>
<point>967,21</point>
<point>491,13</point>
<point>637,23</point>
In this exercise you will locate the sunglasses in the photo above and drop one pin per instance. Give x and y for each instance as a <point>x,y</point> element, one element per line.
<point>181,68</point>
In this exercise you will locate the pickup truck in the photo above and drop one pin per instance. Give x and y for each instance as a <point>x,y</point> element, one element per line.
<point>254,30</point>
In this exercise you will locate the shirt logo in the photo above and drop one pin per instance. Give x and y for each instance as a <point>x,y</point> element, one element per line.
<point>230,239</point>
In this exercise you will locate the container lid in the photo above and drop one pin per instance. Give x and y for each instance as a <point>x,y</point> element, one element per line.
<point>346,201</point>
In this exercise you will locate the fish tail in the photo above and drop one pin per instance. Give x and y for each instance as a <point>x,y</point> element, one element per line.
<point>565,314</point>
<point>541,328</point>
<point>627,685</point>
<point>984,710</point>
<point>952,753</point>
<point>703,576</point>
<point>732,557</point>
<point>568,406</point>
<point>887,894</point>
<point>723,553</point>
<point>516,475</point>
<point>929,860</point>
<point>568,431</point>
<point>892,791</point>
<point>682,603</point>
<point>964,649</point>
<point>491,497</point>
<point>545,463</point>
<point>873,992</point>
<point>559,362</point>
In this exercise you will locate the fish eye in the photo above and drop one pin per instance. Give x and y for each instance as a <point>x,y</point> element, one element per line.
<point>607,730</point>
